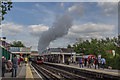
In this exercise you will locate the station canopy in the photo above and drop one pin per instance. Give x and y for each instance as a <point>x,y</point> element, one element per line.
<point>58,51</point>
<point>23,50</point>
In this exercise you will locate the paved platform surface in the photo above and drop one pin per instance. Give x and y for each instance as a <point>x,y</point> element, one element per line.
<point>25,72</point>
<point>19,71</point>
<point>107,71</point>
<point>21,74</point>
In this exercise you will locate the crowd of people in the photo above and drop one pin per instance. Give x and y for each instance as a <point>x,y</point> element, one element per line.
<point>97,63</point>
<point>12,65</point>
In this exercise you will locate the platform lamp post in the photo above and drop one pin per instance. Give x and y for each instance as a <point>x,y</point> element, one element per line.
<point>83,49</point>
<point>99,56</point>
<point>71,56</point>
<point>119,49</point>
<point>82,52</point>
<point>4,38</point>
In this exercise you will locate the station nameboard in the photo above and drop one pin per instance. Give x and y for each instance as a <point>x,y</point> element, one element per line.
<point>25,49</point>
<point>20,49</point>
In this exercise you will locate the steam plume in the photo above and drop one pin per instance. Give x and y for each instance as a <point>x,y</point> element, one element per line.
<point>60,28</point>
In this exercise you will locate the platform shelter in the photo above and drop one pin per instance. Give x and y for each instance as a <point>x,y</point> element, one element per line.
<point>59,55</point>
<point>21,51</point>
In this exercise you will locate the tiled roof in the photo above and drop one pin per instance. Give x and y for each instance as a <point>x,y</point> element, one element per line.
<point>64,50</point>
<point>54,50</point>
<point>67,50</point>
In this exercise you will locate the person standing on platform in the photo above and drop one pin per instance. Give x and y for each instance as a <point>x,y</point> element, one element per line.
<point>26,59</point>
<point>99,63</point>
<point>14,66</point>
<point>85,62</point>
<point>96,62</point>
<point>89,62</point>
<point>3,66</point>
<point>19,62</point>
<point>81,63</point>
<point>103,62</point>
<point>30,59</point>
<point>21,59</point>
<point>68,61</point>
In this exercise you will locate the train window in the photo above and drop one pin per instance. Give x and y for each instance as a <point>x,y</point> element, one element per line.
<point>38,58</point>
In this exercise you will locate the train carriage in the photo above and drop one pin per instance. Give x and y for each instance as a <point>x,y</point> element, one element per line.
<point>37,59</point>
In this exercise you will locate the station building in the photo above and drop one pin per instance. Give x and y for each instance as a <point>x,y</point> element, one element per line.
<point>59,55</point>
<point>4,51</point>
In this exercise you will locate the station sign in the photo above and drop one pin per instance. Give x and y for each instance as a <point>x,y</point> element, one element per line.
<point>99,58</point>
<point>113,51</point>
<point>20,49</point>
<point>25,49</point>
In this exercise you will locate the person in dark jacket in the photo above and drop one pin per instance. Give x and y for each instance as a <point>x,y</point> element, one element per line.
<point>81,63</point>
<point>3,66</point>
<point>96,62</point>
<point>85,62</point>
<point>89,62</point>
<point>14,66</point>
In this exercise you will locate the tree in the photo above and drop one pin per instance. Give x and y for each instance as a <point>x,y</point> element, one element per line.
<point>69,46</point>
<point>5,6</point>
<point>17,44</point>
<point>103,47</point>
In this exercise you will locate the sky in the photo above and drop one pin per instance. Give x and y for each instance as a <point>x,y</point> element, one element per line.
<point>28,20</point>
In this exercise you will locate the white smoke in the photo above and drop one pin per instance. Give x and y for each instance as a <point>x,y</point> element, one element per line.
<point>60,28</point>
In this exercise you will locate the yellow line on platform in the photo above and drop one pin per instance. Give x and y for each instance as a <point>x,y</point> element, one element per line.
<point>29,75</point>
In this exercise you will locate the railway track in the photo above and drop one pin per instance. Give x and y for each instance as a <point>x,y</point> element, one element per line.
<point>45,73</point>
<point>52,73</point>
<point>89,75</point>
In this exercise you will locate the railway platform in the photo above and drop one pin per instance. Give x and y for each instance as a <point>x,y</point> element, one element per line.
<point>23,73</point>
<point>107,71</point>
<point>96,72</point>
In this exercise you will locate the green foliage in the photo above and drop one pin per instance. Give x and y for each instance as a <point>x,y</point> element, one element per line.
<point>69,46</point>
<point>96,47</point>
<point>17,44</point>
<point>6,6</point>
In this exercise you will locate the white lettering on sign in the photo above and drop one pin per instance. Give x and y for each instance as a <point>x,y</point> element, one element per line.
<point>25,49</point>
<point>113,52</point>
